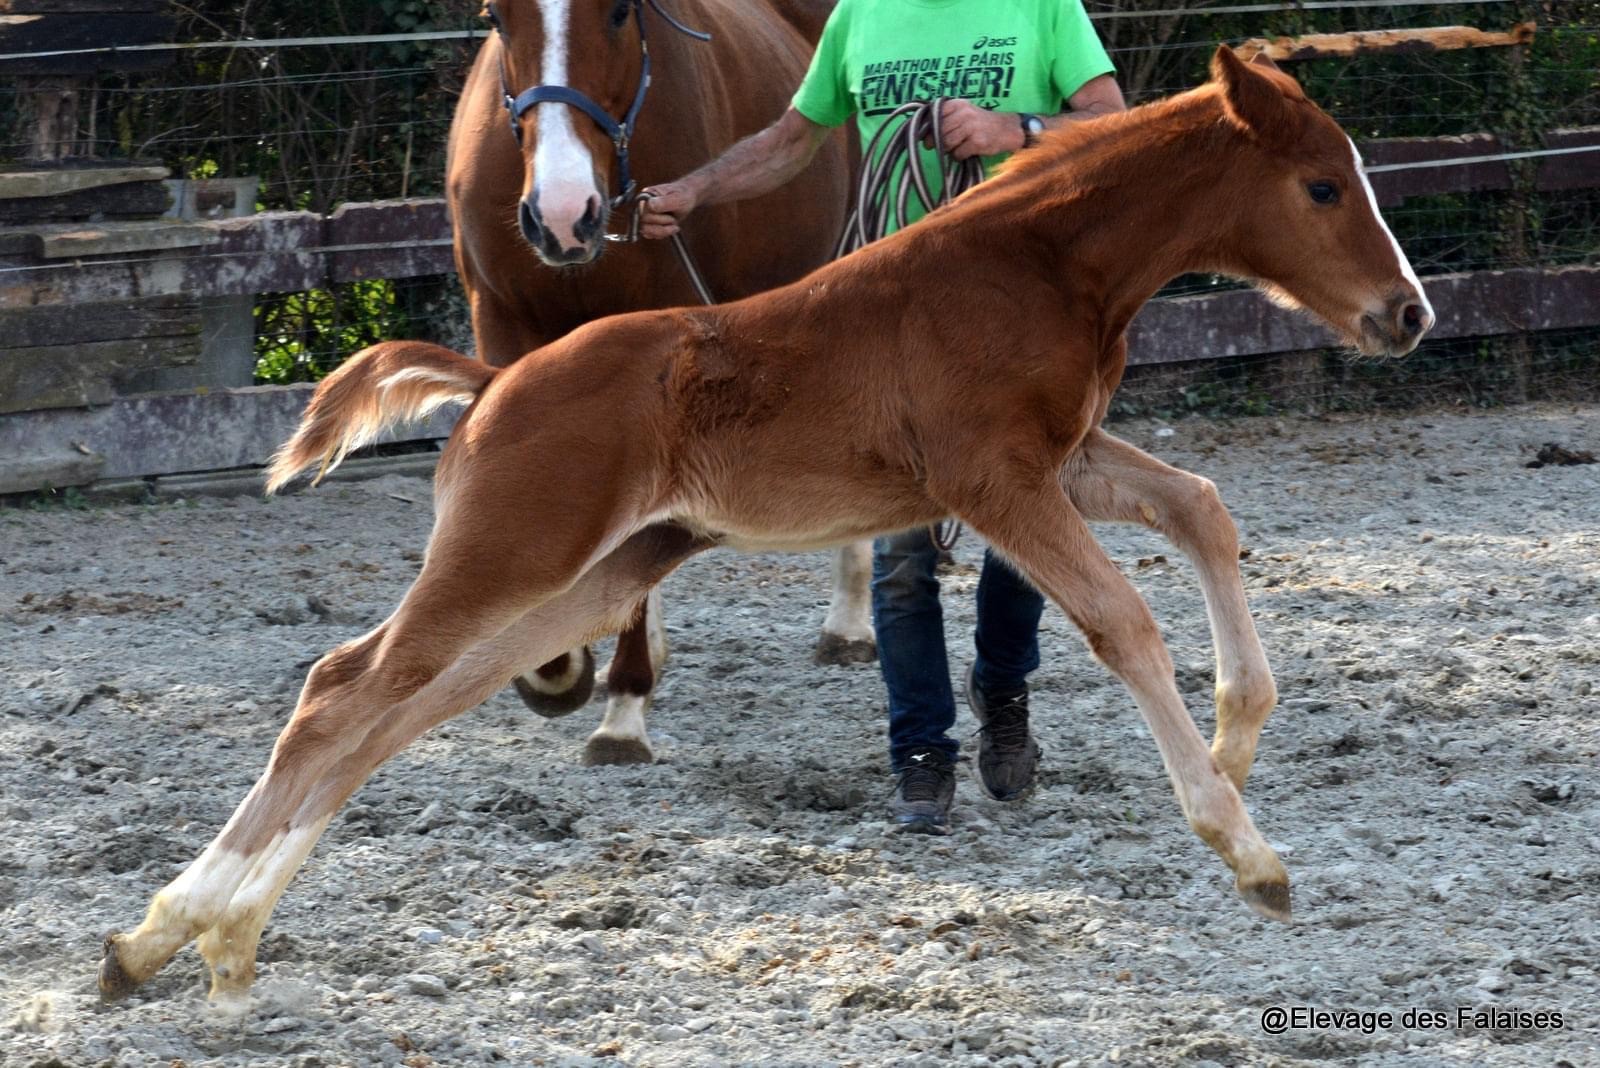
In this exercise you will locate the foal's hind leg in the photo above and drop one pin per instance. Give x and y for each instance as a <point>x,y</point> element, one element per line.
<point>444,651</point>
<point>630,682</point>
<point>847,636</point>
<point>1110,479</point>
<point>1039,530</point>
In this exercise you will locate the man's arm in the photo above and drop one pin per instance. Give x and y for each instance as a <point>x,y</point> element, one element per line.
<point>759,164</point>
<point>973,131</point>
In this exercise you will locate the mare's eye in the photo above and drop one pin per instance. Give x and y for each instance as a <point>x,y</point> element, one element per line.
<point>1323,192</point>
<point>619,13</point>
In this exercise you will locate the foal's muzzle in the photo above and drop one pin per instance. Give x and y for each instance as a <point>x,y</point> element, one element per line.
<point>1405,319</point>
<point>587,233</point>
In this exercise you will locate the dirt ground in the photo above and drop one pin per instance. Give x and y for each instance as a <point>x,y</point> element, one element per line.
<point>1431,607</point>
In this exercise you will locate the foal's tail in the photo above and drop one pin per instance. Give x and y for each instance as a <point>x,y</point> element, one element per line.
<point>386,384</point>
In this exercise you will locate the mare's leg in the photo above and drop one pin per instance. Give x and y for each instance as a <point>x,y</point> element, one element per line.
<point>445,650</point>
<point>1111,480</point>
<point>1032,522</point>
<point>560,687</point>
<point>641,650</point>
<point>847,631</point>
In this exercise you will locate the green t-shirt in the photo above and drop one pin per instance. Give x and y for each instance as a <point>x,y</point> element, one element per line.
<point>1010,55</point>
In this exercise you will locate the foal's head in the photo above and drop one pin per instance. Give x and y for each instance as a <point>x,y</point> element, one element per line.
<point>1310,227</point>
<point>571,163</point>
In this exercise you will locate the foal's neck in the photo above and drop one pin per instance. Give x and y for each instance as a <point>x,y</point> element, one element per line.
<point>1111,212</point>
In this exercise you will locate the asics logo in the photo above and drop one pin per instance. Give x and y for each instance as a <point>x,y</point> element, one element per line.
<point>994,42</point>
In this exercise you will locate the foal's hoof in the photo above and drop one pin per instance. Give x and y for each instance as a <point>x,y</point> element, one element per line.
<point>1270,899</point>
<point>114,981</point>
<point>836,650</point>
<point>614,749</point>
<point>565,702</point>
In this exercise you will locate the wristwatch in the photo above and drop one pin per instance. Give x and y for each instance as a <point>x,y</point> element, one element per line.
<point>1032,127</point>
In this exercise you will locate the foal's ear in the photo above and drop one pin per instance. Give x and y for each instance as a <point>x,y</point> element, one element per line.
<point>1261,59</point>
<point>1256,94</point>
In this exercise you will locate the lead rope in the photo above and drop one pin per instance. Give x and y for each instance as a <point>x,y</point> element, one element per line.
<point>889,179</point>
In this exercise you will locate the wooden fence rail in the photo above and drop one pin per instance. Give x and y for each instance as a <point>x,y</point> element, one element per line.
<point>98,436</point>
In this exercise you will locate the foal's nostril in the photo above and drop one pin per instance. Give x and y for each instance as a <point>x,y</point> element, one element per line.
<point>1411,318</point>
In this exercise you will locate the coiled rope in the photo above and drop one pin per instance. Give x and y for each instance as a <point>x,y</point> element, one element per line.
<point>891,175</point>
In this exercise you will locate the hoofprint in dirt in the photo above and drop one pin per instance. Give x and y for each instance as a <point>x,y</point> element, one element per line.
<point>1431,607</point>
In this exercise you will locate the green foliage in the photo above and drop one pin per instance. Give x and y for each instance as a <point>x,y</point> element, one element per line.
<point>300,337</point>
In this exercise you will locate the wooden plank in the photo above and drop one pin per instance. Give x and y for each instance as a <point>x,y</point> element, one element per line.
<point>53,32</point>
<point>402,224</point>
<point>137,200</point>
<point>1478,304</point>
<point>60,181</point>
<point>80,7</point>
<point>1552,173</point>
<point>73,325</point>
<point>172,433</point>
<point>1370,42</point>
<point>57,241</point>
<point>67,376</point>
<point>26,472</point>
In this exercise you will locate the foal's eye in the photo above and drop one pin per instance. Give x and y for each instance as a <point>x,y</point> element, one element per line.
<point>1323,192</point>
<point>619,13</point>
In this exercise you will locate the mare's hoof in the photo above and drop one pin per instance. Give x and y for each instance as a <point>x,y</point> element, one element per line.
<point>1270,899</point>
<point>836,650</point>
<point>610,749</point>
<point>568,701</point>
<point>114,982</point>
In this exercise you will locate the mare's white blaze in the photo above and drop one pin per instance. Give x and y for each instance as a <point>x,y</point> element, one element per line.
<point>1372,202</point>
<point>850,609</point>
<point>563,169</point>
<point>625,718</point>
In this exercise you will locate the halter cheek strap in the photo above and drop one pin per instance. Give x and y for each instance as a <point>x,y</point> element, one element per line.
<point>621,132</point>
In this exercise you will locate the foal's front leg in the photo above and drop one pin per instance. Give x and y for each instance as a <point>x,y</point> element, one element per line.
<point>1035,525</point>
<point>1108,479</point>
<point>847,636</point>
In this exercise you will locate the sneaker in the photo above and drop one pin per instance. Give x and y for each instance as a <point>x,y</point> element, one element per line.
<point>923,790</point>
<point>1008,756</point>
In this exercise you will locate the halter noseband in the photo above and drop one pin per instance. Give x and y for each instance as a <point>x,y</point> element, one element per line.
<point>621,132</point>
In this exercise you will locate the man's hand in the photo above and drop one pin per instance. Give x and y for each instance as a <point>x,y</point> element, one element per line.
<point>665,208</point>
<point>973,131</point>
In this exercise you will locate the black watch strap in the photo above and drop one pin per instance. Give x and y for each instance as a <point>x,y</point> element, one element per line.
<point>1032,127</point>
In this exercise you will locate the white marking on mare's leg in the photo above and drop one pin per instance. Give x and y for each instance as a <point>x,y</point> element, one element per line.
<point>847,636</point>
<point>621,736</point>
<point>558,683</point>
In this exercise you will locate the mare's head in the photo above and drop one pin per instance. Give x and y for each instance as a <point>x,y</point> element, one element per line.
<point>1309,226</point>
<point>570,163</point>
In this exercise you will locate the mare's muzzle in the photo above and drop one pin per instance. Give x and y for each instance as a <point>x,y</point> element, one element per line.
<point>580,244</point>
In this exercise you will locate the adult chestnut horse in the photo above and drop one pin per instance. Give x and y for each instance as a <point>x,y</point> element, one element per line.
<point>805,416</point>
<point>532,175</point>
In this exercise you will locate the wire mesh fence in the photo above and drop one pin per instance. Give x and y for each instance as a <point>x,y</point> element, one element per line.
<point>323,124</point>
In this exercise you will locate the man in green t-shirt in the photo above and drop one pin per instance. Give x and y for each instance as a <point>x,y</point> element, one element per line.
<point>1011,69</point>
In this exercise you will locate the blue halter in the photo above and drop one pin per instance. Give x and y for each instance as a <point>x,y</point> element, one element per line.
<point>620,133</point>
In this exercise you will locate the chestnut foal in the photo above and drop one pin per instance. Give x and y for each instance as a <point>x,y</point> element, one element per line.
<point>960,367</point>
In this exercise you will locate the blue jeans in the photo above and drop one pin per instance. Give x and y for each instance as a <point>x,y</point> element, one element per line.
<point>910,628</point>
